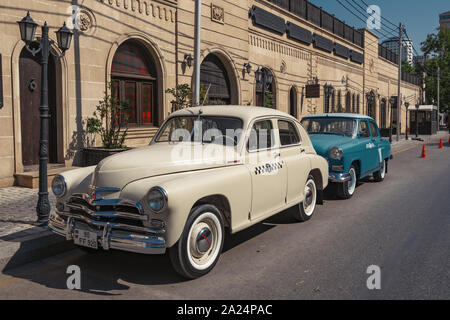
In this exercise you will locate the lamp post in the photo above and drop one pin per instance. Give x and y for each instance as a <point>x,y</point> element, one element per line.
<point>64,36</point>
<point>328,90</point>
<point>265,78</point>
<point>391,102</point>
<point>406,132</point>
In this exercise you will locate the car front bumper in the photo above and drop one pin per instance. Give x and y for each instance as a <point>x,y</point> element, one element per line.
<point>110,235</point>
<point>339,177</point>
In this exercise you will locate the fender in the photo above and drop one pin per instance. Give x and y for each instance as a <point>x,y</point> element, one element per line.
<point>233,182</point>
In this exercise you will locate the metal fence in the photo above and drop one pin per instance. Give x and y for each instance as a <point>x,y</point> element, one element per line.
<point>321,18</point>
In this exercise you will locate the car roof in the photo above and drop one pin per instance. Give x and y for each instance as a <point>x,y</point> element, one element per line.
<point>339,115</point>
<point>246,113</point>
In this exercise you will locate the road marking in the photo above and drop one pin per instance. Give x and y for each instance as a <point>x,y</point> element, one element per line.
<point>405,149</point>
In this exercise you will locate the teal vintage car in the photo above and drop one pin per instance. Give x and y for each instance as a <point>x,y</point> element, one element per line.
<point>353,146</point>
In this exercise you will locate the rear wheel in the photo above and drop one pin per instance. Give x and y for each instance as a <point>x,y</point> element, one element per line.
<point>199,247</point>
<point>379,175</point>
<point>346,189</point>
<point>306,208</point>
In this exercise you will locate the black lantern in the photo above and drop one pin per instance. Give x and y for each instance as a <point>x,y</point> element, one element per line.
<point>248,67</point>
<point>188,59</point>
<point>27,28</point>
<point>258,75</point>
<point>64,37</point>
<point>269,77</point>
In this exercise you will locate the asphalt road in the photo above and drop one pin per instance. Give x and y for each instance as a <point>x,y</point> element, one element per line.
<point>401,225</point>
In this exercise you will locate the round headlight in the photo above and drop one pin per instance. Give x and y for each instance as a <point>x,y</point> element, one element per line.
<point>157,199</point>
<point>335,153</point>
<point>59,186</point>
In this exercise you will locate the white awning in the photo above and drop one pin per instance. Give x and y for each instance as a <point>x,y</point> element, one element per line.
<point>422,108</point>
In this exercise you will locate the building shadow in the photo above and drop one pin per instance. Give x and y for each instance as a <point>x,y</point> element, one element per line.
<point>105,273</point>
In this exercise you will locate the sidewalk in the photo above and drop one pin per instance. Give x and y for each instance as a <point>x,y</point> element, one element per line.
<point>22,242</point>
<point>403,144</point>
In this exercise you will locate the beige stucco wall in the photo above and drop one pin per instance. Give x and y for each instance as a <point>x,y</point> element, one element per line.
<point>166,28</point>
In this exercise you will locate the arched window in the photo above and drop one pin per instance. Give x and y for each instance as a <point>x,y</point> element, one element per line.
<point>133,76</point>
<point>383,113</point>
<point>339,104</point>
<point>353,104</point>
<point>214,80</point>
<point>333,101</point>
<point>357,104</point>
<point>270,93</point>
<point>348,107</point>
<point>293,102</point>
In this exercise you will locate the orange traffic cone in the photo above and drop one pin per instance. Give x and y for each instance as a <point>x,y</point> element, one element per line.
<point>424,153</point>
<point>441,145</point>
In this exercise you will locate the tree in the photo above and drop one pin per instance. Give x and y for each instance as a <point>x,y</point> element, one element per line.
<point>438,46</point>
<point>182,94</point>
<point>108,121</point>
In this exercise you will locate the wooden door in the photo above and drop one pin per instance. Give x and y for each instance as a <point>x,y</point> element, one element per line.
<point>30,98</point>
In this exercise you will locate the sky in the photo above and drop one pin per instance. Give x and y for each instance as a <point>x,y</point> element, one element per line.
<point>420,17</point>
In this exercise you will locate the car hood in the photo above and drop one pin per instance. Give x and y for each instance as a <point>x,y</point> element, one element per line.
<point>159,159</point>
<point>324,142</point>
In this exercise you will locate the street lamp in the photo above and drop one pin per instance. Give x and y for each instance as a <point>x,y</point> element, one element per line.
<point>64,36</point>
<point>417,121</point>
<point>265,78</point>
<point>391,102</point>
<point>406,105</point>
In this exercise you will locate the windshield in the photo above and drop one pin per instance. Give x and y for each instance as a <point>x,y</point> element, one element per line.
<point>327,125</point>
<point>206,129</point>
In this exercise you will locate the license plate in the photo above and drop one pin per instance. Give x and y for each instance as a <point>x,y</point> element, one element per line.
<point>85,238</point>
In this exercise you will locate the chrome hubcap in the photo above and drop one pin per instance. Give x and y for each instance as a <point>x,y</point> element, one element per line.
<point>204,240</point>
<point>310,198</point>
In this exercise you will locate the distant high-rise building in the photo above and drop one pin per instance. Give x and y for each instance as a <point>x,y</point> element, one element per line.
<point>419,60</point>
<point>407,48</point>
<point>444,20</point>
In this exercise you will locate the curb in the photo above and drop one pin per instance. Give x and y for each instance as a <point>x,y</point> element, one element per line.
<point>29,246</point>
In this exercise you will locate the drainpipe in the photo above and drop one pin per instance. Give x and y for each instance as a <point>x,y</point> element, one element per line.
<point>197,42</point>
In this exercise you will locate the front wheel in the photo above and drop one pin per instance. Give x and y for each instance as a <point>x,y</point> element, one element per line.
<point>380,174</point>
<point>346,189</point>
<point>199,247</point>
<point>306,208</point>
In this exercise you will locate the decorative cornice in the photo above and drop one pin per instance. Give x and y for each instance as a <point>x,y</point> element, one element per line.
<point>156,9</point>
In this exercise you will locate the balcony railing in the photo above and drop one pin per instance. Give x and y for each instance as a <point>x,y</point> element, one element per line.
<point>319,17</point>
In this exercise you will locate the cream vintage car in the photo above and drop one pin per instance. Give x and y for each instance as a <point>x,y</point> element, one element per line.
<point>208,169</point>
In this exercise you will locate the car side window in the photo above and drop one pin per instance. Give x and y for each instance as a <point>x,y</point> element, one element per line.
<point>364,129</point>
<point>261,136</point>
<point>288,133</point>
<point>373,129</point>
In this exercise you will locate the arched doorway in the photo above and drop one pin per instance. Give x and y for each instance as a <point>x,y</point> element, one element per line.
<point>293,102</point>
<point>215,81</point>
<point>30,100</point>
<point>134,79</point>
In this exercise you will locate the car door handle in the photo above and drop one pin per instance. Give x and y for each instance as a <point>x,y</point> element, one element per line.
<point>277,154</point>
<point>302,150</point>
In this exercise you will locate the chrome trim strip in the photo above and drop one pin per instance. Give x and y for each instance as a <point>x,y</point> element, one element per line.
<point>107,202</point>
<point>110,239</point>
<point>107,214</point>
<point>106,189</point>
<point>339,177</point>
<point>113,224</point>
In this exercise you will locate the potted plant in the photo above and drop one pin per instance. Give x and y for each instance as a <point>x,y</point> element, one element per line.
<point>110,122</point>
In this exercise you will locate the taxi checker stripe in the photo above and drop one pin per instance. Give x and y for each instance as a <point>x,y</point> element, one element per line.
<point>268,167</point>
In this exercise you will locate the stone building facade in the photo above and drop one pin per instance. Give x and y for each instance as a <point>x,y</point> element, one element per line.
<point>142,47</point>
